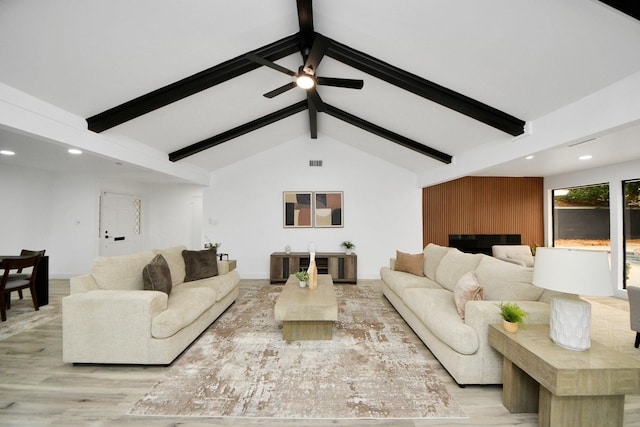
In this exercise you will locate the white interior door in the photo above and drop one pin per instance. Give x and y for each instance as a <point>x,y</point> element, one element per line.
<point>120,229</point>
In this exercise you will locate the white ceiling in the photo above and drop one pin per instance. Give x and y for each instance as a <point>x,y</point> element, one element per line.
<point>528,58</point>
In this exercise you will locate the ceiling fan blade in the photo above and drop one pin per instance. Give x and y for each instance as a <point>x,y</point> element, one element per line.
<point>314,98</point>
<point>346,83</point>
<point>313,118</point>
<point>281,89</point>
<point>255,58</point>
<point>320,45</point>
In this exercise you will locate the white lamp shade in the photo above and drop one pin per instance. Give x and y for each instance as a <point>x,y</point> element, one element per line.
<point>573,271</point>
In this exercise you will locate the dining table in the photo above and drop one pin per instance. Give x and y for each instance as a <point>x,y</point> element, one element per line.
<point>42,276</point>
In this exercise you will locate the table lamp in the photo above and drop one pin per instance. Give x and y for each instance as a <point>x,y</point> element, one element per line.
<point>578,272</point>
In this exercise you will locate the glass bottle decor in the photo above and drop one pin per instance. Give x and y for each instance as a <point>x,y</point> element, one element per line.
<point>313,273</point>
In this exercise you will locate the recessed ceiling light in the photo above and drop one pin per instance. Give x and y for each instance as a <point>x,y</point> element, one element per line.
<point>74,151</point>
<point>529,157</point>
<point>585,157</point>
<point>7,152</point>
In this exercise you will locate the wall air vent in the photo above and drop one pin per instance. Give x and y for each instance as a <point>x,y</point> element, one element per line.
<point>315,162</point>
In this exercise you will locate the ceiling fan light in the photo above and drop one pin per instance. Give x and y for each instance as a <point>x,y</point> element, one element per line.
<point>305,81</point>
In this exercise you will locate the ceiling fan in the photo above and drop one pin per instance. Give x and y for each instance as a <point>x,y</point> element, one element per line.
<point>306,77</point>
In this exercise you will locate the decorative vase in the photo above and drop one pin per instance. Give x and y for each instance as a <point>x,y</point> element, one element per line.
<point>510,326</point>
<point>303,284</point>
<point>313,273</point>
<point>348,251</point>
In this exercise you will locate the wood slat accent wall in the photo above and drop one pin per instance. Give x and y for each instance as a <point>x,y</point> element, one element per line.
<point>484,205</point>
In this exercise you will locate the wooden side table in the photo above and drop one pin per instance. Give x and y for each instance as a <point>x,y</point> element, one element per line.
<point>566,387</point>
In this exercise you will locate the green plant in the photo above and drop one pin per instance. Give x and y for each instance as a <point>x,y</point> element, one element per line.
<point>512,312</point>
<point>348,244</point>
<point>302,276</point>
<point>210,245</point>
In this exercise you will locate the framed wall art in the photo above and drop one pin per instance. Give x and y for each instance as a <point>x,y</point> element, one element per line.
<point>328,209</point>
<point>297,209</point>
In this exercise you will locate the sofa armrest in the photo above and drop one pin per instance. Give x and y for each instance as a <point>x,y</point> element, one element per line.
<point>81,284</point>
<point>108,325</point>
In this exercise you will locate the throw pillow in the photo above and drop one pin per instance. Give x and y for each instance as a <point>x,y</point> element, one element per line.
<point>467,289</point>
<point>200,264</point>
<point>156,275</point>
<point>410,263</point>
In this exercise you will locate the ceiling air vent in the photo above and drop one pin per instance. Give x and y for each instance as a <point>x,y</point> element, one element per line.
<point>315,162</point>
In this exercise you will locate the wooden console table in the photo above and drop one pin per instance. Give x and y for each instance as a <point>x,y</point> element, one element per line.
<point>565,387</point>
<point>343,268</point>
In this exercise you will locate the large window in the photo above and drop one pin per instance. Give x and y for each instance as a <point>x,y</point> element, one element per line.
<point>631,220</point>
<point>581,217</point>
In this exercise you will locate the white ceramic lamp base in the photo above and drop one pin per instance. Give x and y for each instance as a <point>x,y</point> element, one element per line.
<point>570,325</point>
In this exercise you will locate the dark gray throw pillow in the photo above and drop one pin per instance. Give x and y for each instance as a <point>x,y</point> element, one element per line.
<point>200,264</point>
<point>157,276</point>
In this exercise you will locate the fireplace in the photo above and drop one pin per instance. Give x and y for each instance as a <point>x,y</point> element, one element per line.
<point>481,243</point>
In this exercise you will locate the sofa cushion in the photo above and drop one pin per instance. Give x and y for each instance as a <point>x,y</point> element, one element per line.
<point>184,306</point>
<point>453,265</point>
<point>156,275</point>
<point>398,281</point>
<point>221,285</point>
<point>504,281</point>
<point>173,255</point>
<point>432,256</point>
<point>467,289</point>
<point>437,311</point>
<point>200,264</point>
<point>410,263</point>
<point>122,272</point>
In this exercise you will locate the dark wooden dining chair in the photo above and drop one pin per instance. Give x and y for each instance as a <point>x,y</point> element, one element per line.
<point>25,252</point>
<point>9,284</point>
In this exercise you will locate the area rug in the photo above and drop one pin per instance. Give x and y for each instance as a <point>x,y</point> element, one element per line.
<point>241,367</point>
<point>22,317</point>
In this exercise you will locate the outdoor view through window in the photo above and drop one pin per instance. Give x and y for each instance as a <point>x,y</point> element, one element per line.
<point>581,219</point>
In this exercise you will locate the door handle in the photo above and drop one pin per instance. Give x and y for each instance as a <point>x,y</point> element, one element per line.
<point>118,239</point>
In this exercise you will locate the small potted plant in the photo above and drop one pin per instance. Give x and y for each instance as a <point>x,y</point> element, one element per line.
<point>302,276</point>
<point>348,247</point>
<point>210,245</point>
<point>512,316</point>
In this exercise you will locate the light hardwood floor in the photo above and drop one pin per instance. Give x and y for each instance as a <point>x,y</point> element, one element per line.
<point>37,388</point>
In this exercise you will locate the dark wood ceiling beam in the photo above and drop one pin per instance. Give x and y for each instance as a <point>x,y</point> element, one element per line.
<point>238,131</point>
<point>305,22</point>
<point>191,85</point>
<point>387,134</point>
<point>425,88</point>
<point>631,8</point>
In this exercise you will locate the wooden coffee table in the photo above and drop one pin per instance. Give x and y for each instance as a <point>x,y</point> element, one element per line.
<point>307,314</point>
<point>565,387</point>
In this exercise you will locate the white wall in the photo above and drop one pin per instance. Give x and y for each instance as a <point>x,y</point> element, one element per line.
<point>382,205</point>
<point>59,212</point>
<point>613,175</point>
<point>25,222</point>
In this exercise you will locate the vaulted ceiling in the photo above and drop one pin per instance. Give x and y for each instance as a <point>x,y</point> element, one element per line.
<point>441,78</point>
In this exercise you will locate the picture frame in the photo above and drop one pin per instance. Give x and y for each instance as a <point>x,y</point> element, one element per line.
<point>297,209</point>
<point>328,209</point>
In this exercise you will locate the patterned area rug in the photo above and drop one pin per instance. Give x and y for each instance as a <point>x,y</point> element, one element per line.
<point>241,367</point>
<point>22,316</point>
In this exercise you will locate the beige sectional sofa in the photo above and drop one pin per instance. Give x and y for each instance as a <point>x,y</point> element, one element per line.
<point>110,318</point>
<point>426,302</point>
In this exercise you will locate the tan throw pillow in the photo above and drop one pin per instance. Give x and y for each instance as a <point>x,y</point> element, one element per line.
<point>410,263</point>
<point>467,289</point>
<point>156,275</point>
<point>200,264</point>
